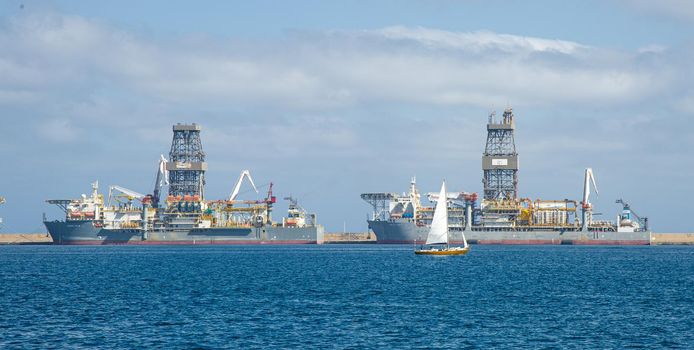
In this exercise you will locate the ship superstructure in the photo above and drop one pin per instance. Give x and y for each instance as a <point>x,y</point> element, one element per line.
<point>184,216</point>
<point>501,216</point>
<point>297,216</point>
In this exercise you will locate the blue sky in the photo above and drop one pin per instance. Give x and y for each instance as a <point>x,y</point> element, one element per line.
<point>329,99</point>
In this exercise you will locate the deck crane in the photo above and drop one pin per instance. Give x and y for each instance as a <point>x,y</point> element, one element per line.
<point>161,181</point>
<point>124,193</point>
<point>587,207</point>
<point>292,201</point>
<point>627,212</point>
<point>244,174</point>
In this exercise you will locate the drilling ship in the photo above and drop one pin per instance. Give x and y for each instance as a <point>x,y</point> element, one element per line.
<point>501,217</point>
<point>184,216</point>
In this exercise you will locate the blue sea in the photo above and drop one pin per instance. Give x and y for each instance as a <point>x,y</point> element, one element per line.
<point>345,296</point>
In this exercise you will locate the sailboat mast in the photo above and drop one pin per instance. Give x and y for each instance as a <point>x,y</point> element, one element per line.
<point>438,231</point>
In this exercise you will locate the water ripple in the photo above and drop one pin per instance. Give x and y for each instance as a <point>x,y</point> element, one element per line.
<point>345,297</point>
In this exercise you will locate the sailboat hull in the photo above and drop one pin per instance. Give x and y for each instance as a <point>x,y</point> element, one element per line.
<point>449,251</point>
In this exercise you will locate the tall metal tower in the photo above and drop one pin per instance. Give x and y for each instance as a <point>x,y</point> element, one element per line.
<point>500,160</point>
<point>186,164</point>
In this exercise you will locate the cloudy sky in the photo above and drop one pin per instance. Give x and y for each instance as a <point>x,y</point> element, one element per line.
<point>332,99</point>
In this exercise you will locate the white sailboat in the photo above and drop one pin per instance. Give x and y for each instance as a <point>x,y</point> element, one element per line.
<point>437,241</point>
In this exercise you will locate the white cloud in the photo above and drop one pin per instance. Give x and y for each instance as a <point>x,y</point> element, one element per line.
<point>686,103</point>
<point>15,96</point>
<point>682,9</point>
<point>59,130</point>
<point>395,64</point>
<point>478,41</point>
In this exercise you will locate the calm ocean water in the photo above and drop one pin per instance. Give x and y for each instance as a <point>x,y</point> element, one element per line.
<point>336,296</point>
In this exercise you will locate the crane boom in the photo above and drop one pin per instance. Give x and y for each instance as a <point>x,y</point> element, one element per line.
<point>237,188</point>
<point>162,179</point>
<point>626,206</point>
<point>587,210</point>
<point>129,193</point>
<point>292,200</point>
<point>589,178</point>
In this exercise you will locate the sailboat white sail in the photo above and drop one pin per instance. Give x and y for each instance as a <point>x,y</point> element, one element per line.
<point>438,233</point>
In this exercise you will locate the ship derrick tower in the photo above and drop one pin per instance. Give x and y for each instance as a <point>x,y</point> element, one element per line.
<point>500,160</point>
<point>186,164</point>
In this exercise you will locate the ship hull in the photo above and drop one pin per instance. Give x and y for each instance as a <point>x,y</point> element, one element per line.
<point>453,251</point>
<point>406,232</point>
<point>83,232</point>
